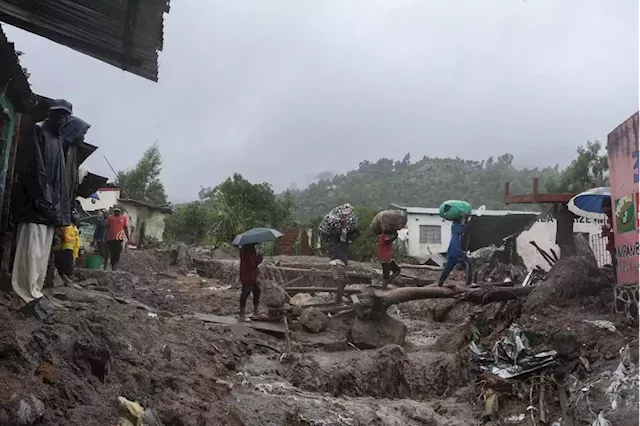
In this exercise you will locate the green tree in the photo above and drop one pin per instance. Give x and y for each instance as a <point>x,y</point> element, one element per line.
<point>238,205</point>
<point>588,170</point>
<point>142,182</point>
<point>191,223</point>
<point>230,208</point>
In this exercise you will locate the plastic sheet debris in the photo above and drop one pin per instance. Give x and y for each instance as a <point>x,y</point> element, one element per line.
<point>624,381</point>
<point>152,315</point>
<point>132,412</point>
<point>607,325</point>
<point>516,418</point>
<point>218,287</point>
<point>511,356</point>
<point>601,420</point>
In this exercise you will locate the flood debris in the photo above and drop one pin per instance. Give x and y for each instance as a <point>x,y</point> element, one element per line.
<point>512,356</point>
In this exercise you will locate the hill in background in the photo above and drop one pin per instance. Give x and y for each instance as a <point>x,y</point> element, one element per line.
<point>425,183</point>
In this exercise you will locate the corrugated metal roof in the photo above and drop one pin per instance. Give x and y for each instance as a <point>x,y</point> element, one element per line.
<point>163,209</point>
<point>125,33</point>
<point>11,72</point>
<point>435,211</point>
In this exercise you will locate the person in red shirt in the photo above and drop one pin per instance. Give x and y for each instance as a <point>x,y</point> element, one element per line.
<point>390,268</point>
<point>607,232</point>
<point>117,229</point>
<point>250,258</point>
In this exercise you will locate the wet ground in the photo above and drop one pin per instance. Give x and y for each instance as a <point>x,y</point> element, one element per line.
<point>131,334</point>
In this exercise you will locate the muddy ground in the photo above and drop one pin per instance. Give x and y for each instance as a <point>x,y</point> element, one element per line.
<point>130,334</point>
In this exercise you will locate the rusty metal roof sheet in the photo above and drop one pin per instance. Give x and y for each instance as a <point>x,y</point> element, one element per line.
<point>125,33</point>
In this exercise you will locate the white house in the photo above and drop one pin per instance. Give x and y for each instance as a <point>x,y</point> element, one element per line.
<point>428,234</point>
<point>146,222</point>
<point>108,197</point>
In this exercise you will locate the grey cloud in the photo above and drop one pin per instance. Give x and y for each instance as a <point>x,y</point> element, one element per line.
<point>281,91</point>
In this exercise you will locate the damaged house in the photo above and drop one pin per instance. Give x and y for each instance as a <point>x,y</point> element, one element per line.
<point>428,234</point>
<point>146,221</point>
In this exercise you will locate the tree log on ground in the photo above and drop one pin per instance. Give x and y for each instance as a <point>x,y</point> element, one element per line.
<point>484,295</point>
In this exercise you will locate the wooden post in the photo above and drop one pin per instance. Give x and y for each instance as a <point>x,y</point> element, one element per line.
<point>506,192</point>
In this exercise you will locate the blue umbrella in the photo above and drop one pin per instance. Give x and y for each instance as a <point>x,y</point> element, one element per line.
<point>256,236</point>
<point>589,203</point>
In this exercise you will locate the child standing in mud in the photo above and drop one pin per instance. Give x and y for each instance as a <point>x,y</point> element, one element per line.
<point>250,258</point>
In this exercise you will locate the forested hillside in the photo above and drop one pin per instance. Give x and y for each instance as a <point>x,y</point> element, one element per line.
<point>424,183</point>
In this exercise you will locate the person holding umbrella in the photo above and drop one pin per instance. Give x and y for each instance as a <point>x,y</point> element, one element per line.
<point>250,259</point>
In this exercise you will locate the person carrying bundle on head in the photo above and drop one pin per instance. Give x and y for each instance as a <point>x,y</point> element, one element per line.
<point>455,253</point>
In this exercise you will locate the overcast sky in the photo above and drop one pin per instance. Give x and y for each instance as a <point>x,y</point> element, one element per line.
<point>282,90</point>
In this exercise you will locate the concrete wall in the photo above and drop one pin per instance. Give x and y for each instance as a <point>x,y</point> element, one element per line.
<point>141,217</point>
<point>622,150</point>
<point>543,232</point>
<point>108,198</point>
<point>424,251</point>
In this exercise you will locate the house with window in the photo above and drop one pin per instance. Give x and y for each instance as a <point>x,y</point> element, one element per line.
<point>428,233</point>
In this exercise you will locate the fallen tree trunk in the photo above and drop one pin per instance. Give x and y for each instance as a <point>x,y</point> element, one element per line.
<point>429,267</point>
<point>480,295</point>
<point>484,295</point>
<point>406,294</point>
<point>296,290</point>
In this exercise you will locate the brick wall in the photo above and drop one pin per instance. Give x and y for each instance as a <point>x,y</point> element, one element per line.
<point>286,245</point>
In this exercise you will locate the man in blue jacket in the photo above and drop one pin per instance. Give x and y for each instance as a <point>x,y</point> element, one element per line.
<point>455,253</point>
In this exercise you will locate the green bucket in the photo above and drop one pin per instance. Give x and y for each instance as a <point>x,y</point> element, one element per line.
<point>94,262</point>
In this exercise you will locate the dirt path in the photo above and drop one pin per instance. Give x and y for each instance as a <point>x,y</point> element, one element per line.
<point>132,334</point>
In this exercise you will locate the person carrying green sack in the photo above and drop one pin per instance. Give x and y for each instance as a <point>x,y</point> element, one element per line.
<point>455,253</point>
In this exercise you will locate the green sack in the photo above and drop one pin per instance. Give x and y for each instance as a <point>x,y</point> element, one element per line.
<point>454,209</point>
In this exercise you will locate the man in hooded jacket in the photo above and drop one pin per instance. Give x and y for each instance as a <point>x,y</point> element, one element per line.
<point>42,204</point>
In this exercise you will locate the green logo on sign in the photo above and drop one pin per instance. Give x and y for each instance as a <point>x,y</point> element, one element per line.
<point>625,214</point>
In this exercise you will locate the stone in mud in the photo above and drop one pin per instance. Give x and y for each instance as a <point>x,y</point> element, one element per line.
<point>25,411</point>
<point>301,299</point>
<point>273,295</point>
<point>47,373</point>
<point>314,320</point>
<point>371,334</point>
